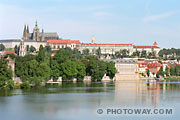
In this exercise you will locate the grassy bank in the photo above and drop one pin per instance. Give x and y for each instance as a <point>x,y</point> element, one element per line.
<point>172,78</point>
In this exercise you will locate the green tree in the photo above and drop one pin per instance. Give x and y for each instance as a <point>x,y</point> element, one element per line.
<point>148,72</point>
<point>98,52</point>
<point>69,70</point>
<point>41,54</point>
<point>16,49</point>
<point>2,47</point>
<point>27,48</point>
<point>144,54</point>
<point>62,55</point>
<point>161,72</point>
<point>111,70</point>
<point>77,53</point>
<point>81,70</point>
<point>85,52</point>
<point>167,71</point>
<point>47,49</point>
<point>95,68</point>
<point>171,71</point>
<point>55,69</point>
<point>43,71</point>
<point>176,70</point>
<point>32,49</point>
<point>5,74</point>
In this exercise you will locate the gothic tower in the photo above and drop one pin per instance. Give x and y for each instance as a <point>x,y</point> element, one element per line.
<point>24,33</point>
<point>27,30</point>
<point>22,50</point>
<point>36,33</point>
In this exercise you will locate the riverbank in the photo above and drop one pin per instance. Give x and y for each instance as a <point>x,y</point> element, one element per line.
<point>172,78</point>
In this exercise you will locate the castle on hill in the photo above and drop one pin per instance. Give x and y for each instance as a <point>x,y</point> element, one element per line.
<point>37,38</point>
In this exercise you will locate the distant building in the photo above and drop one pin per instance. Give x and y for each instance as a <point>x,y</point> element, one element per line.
<point>154,67</point>
<point>3,53</point>
<point>57,44</point>
<point>105,48</point>
<point>11,64</point>
<point>127,69</point>
<point>22,49</point>
<point>113,48</point>
<point>149,49</point>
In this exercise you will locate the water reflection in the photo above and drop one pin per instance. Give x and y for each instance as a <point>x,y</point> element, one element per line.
<point>81,99</point>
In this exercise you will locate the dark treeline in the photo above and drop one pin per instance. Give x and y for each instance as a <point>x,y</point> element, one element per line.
<point>170,54</point>
<point>67,63</point>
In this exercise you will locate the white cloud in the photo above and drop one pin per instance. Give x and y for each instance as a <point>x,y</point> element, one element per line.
<point>158,17</point>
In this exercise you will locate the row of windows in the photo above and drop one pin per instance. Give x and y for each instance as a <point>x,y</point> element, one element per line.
<point>62,46</point>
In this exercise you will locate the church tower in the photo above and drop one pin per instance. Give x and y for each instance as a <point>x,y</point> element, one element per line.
<point>22,50</point>
<point>36,33</point>
<point>92,40</point>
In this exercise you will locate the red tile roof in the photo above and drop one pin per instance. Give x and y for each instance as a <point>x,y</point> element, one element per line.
<point>146,47</point>
<point>89,44</point>
<point>8,52</point>
<point>67,41</point>
<point>150,65</point>
<point>142,65</point>
<point>52,54</point>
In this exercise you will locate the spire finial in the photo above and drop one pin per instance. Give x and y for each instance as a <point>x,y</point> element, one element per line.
<point>27,29</point>
<point>92,40</point>
<point>36,23</point>
<point>24,32</point>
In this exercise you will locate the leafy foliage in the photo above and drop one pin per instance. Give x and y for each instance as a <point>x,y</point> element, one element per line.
<point>5,74</point>
<point>2,47</point>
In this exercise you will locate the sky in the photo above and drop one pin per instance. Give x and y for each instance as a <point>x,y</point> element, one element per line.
<point>140,22</point>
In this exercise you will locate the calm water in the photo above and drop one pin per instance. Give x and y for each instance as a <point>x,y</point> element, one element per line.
<point>80,101</point>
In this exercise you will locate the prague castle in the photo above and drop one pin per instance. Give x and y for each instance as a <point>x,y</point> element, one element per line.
<point>37,38</point>
<point>37,35</point>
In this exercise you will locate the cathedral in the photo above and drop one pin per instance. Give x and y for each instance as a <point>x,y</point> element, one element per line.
<point>37,35</point>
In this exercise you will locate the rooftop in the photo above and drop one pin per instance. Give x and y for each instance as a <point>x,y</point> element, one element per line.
<point>102,44</point>
<point>146,47</point>
<point>121,60</point>
<point>66,41</point>
<point>10,40</point>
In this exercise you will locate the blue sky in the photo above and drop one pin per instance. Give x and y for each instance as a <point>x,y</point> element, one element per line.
<point>140,22</point>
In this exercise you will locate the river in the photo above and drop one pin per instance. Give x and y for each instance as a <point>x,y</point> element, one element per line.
<point>82,100</point>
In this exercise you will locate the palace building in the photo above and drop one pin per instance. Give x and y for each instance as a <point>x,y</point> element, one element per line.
<point>113,48</point>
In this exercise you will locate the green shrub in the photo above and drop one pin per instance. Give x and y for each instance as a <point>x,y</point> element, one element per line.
<point>25,85</point>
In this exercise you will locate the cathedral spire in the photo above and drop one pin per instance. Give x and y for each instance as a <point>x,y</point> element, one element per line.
<point>27,29</point>
<point>24,33</point>
<point>36,25</point>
